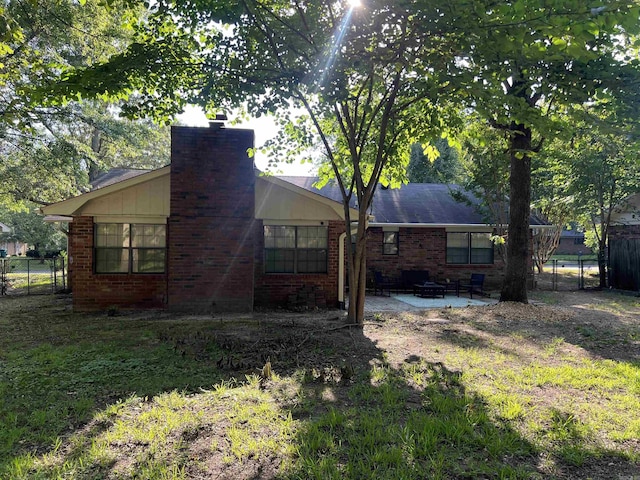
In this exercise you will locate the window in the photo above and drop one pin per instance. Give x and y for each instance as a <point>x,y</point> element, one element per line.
<point>130,248</point>
<point>473,248</point>
<point>390,243</point>
<point>481,248</point>
<point>295,249</point>
<point>457,247</point>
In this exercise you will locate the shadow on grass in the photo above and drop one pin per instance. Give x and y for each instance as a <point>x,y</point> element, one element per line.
<point>77,387</point>
<point>419,420</point>
<point>381,426</point>
<point>58,369</point>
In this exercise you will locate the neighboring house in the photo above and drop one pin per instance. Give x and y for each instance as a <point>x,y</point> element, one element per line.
<point>208,233</point>
<point>624,245</point>
<point>11,248</point>
<point>572,243</point>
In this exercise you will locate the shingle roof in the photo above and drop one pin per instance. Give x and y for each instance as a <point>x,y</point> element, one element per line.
<point>116,175</point>
<point>571,233</point>
<point>413,203</point>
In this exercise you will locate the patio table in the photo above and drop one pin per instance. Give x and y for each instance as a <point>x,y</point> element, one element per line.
<point>428,289</point>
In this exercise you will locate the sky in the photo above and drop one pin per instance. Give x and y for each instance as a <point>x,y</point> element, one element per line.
<point>264,127</point>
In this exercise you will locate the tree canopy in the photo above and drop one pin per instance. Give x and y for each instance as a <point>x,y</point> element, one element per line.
<point>527,60</point>
<point>444,168</point>
<point>597,169</point>
<point>30,228</point>
<point>50,150</point>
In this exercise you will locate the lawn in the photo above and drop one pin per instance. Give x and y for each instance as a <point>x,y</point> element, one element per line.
<point>550,390</point>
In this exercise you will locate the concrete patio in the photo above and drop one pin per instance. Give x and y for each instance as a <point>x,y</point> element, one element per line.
<point>408,302</point>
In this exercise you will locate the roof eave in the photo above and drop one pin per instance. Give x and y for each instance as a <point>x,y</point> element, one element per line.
<point>442,225</point>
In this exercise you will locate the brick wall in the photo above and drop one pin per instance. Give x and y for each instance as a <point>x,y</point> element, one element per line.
<point>212,226</point>
<point>624,231</point>
<point>425,249</point>
<point>99,291</point>
<point>567,246</point>
<point>274,288</point>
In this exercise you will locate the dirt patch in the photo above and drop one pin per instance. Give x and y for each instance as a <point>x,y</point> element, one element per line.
<point>328,358</point>
<point>576,325</point>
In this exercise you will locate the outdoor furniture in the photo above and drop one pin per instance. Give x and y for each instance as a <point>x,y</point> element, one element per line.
<point>408,278</point>
<point>428,289</point>
<point>380,282</point>
<point>475,285</point>
<point>451,286</point>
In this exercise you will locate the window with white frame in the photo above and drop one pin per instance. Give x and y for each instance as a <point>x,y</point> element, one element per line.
<point>390,243</point>
<point>469,248</point>
<point>130,248</point>
<point>295,249</point>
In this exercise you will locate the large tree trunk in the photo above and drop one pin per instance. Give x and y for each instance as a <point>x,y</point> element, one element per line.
<point>96,143</point>
<point>514,288</point>
<point>358,274</point>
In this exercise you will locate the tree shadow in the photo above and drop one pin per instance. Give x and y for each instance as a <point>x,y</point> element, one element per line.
<point>356,414</point>
<point>416,421</point>
<point>604,334</point>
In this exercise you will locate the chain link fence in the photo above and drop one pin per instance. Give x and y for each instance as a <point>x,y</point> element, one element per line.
<point>568,275</point>
<point>32,276</point>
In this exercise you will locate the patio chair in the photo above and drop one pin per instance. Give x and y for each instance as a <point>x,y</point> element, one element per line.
<point>475,285</point>
<point>380,282</point>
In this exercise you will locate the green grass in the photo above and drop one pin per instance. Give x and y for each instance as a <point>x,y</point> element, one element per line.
<point>573,258</point>
<point>146,396</point>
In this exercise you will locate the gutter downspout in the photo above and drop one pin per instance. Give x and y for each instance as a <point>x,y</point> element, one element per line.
<point>341,302</point>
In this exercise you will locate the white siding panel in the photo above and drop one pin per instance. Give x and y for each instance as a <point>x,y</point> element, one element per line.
<point>277,203</point>
<point>146,199</point>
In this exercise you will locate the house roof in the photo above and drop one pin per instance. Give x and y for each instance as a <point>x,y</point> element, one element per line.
<point>116,175</point>
<point>573,233</point>
<point>413,203</point>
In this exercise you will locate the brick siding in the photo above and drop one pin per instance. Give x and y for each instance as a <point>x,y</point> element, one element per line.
<point>567,246</point>
<point>624,231</point>
<point>425,249</point>
<point>93,291</point>
<point>275,288</point>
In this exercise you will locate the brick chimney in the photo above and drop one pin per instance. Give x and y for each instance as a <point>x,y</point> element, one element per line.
<point>212,224</point>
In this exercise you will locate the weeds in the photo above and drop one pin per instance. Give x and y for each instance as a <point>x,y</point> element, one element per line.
<point>111,397</point>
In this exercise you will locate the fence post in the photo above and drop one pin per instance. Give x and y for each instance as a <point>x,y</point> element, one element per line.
<point>52,275</point>
<point>3,278</point>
